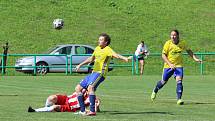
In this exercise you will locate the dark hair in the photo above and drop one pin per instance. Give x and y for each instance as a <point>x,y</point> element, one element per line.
<point>142,41</point>
<point>107,37</point>
<point>176,31</point>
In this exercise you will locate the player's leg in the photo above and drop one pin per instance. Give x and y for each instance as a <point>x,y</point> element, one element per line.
<point>82,85</point>
<point>141,66</point>
<point>94,82</point>
<point>92,98</point>
<point>179,87</point>
<point>167,73</point>
<point>56,100</point>
<point>50,101</point>
<point>80,97</point>
<point>43,109</point>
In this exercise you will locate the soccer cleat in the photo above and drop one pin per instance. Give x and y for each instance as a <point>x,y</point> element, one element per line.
<point>30,109</point>
<point>180,102</point>
<point>153,96</point>
<point>81,113</point>
<point>91,113</point>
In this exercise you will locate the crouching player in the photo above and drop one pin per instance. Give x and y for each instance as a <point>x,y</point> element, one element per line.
<point>64,103</point>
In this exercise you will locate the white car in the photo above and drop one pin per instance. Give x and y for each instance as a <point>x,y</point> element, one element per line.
<point>54,63</point>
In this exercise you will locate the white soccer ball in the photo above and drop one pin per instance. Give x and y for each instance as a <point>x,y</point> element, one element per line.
<point>58,23</point>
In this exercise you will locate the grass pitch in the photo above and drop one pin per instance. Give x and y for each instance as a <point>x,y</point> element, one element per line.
<point>124,98</point>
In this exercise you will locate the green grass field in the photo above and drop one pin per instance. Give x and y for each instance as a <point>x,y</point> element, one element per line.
<point>124,98</point>
<point>28,25</point>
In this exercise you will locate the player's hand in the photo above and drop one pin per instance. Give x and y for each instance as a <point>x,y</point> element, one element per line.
<point>198,60</point>
<point>77,68</point>
<point>126,59</point>
<point>130,57</point>
<point>172,66</point>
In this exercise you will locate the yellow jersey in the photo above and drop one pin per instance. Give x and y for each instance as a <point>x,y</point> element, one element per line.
<point>102,59</point>
<point>174,52</point>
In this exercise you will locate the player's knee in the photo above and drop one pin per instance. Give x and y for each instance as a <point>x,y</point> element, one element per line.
<point>78,88</point>
<point>90,89</point>
<point>178,78</point>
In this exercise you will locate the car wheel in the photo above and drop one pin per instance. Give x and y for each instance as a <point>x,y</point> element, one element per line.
<point>42,69</point>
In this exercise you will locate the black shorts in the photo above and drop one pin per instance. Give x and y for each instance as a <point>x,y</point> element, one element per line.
<point>140,58</point>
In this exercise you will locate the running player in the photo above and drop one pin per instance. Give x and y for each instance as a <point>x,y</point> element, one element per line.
<point>172,56</point>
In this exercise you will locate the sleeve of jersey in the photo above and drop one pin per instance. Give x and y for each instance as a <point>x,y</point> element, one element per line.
<point>111,52</point>
<point>165,48</point>
<point>186,46</point>
<point>139,48</point>
<point>146,49</point>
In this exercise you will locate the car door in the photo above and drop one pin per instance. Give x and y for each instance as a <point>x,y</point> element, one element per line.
<point>79,50</point>
<point>59,62</point>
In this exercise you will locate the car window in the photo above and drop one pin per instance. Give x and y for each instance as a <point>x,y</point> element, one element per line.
<point>89,50</point>
<point>83,50</point>
<point>65,50</point>
<point>80,50</point>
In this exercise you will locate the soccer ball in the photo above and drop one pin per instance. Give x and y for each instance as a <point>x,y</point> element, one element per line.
<point>58,23</point>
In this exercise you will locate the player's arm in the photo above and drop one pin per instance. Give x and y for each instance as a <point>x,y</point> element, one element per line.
<point>190,52</point>
<point>166,60</point>
<point>88,60</point>
<point>118,56</point>
<point>142,53</point>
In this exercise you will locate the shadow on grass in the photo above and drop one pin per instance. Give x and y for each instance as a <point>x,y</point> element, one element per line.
<point>200,103</point>
<point>150,112</point>
<point>8,95</point>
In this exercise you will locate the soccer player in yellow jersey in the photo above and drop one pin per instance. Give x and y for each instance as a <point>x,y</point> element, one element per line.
<point>101,58</point>
<point>173,65</point>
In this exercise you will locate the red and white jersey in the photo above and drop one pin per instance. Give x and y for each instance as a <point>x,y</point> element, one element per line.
<point>72,100</point>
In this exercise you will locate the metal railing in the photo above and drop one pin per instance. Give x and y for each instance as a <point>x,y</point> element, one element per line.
<point>34,63</point>
<point>202,55</point>
<point>69,66</point>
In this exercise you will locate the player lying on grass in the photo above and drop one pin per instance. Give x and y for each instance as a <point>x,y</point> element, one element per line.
<point>64,103</point>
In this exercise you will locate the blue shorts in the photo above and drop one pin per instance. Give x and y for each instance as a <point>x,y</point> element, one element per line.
<point>93,79</point>
<point>168,72</point>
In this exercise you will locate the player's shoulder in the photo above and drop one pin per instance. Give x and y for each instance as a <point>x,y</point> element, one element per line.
<point>169,41</point>
<point>108,48</point>
<point>97,49</point>
<point>183,42</point>
<point>139,46</point>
